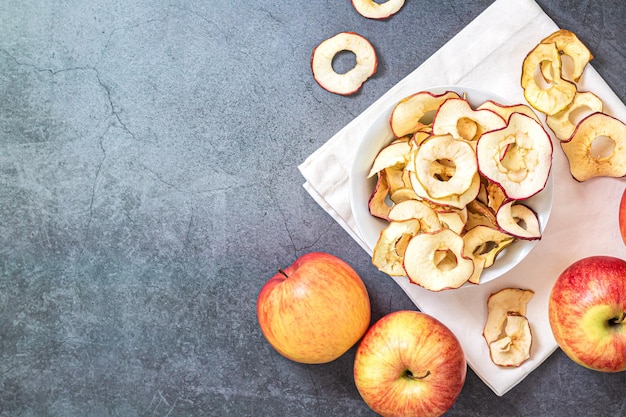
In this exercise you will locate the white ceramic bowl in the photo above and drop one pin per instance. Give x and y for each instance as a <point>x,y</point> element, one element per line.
<point>379,134</point>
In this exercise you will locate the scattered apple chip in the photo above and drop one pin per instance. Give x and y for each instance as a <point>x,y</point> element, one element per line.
<point>597,148</point>
<point>499,305</point>
<point>352,80</point>
<point>568,44</point>
<point>513,349</point>
<point>549,96</point>
<point>377,10</point>
<point>422,269</point>
<point>563,123</point>
<point>517,157</point>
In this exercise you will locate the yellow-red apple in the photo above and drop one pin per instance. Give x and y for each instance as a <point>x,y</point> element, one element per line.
<point>409,364</point>
<point>314,310</point>
<point>587,312</point>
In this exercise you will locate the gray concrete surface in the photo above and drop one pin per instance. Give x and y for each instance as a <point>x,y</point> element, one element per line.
<point>149,187</point>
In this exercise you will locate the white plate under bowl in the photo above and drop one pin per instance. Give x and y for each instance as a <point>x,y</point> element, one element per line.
<point>379,134</point>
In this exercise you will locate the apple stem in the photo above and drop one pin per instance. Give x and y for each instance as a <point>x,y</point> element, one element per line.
<point>618,320</point>
<point>411,375</point>
<point>283,272</point>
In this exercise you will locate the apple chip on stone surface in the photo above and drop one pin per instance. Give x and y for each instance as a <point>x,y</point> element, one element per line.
<point>352,80</point>
<point>377,10</point>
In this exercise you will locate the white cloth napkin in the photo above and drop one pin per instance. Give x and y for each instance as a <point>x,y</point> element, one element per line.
<point>488,54</point>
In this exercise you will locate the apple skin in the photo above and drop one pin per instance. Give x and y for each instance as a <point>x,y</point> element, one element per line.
<point>586,310</point>
<point>409,364</point>
<point>315,310</point>
<point>622,217</point>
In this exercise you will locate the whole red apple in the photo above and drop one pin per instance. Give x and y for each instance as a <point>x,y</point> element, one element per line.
<point>314,310</point>
<point>409,364</point>
<point>587,311</point>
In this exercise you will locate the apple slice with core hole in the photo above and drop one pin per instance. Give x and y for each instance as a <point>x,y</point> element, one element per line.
<point>563,123</point>
<point>568,44</point>
<point>457,118</point>
<point>385,257</point>
<point>597,148</point>
<point>558,93</point>
<point>352,80</point>
<point>445,166</point>
<point>420,266</point>
<point>518,220</point>
<point>499,304</point>
<point>513,349</point>
<point>517,157</point>
<point>377,10</point>
<point>408,115</point>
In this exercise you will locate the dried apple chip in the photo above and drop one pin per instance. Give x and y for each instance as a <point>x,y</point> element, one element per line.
<point>568,44</point>
<point>420,265</point>
<point>563,124</point>
<point>517,157</point>
<point>445,166</point>
<point>513,349</point>
<point>352,80</point>
<point>611,162</point>
<point>558,92</point>
<point>377,10</point>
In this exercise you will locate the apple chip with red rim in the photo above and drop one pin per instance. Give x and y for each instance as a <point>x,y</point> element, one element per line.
<point>435,273</point>
<point>609,134</point>
<point>517,157</point>
<point>547,96</point>
<point>352,80</point>
<point>377,10</point>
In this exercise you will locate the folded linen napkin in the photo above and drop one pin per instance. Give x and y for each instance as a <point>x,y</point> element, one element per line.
<point>583,221</point>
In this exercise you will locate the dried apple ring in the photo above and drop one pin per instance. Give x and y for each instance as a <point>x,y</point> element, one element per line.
<point>559,93</point>
<point>422,269</point>
<point>562,124</point>
<point>406,115</point>
<point>578,150</point>
<point>352,80</point>
<point>518,157</point>
<point>373,10</point>
<point>568,44</point>
<point>445,166</point>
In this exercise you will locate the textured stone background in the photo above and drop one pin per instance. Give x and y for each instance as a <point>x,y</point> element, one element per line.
<point>149,187</point>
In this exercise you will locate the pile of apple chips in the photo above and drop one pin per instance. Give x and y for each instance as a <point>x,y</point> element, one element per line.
<point>453,189</point>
